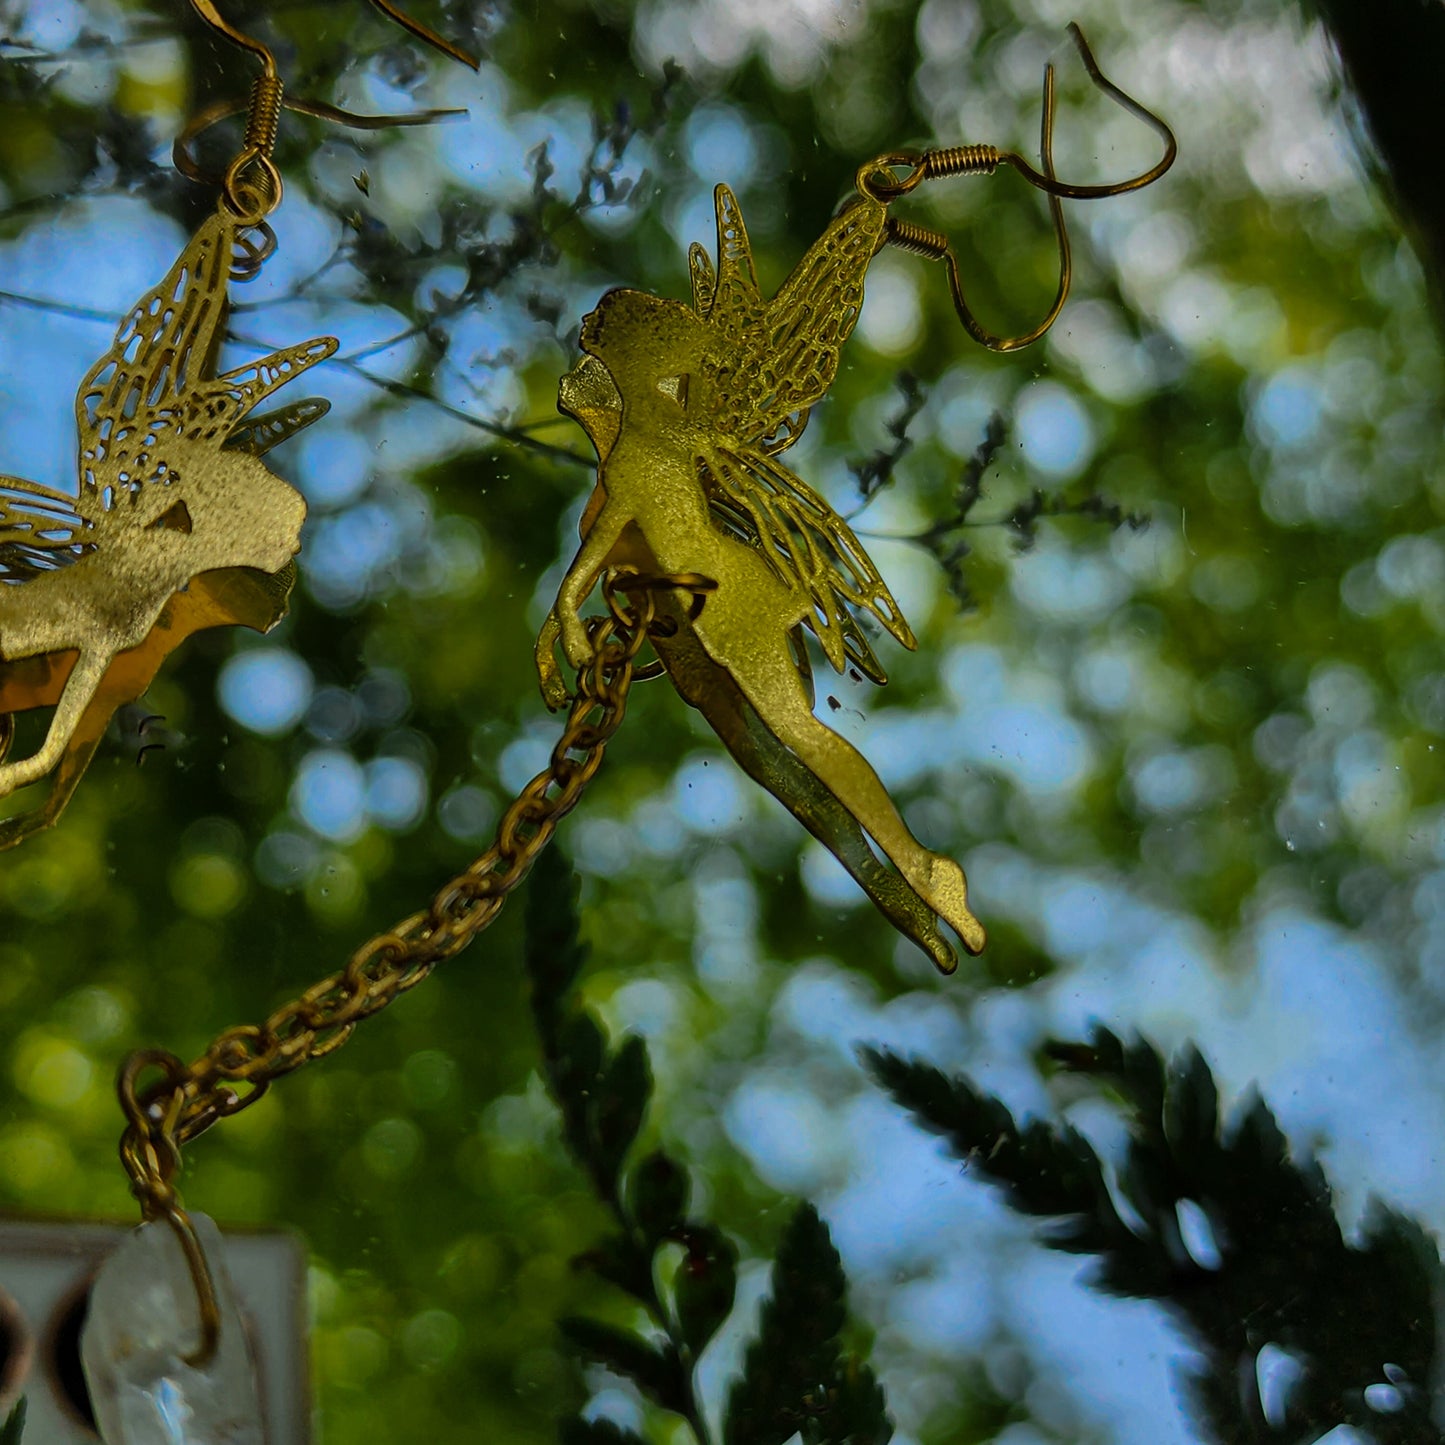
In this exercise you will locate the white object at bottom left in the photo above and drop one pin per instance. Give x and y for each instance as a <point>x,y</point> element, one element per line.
<point>144,1320</point>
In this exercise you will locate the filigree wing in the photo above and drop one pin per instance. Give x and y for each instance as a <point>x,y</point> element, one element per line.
<point>218,406</point>
<point>135,393</point>
<point>704,279</point>
<point>40,531</point>
<point>156,390</point>
<point>809,546</point>
<point>778,359</point>
<point>259,434</point>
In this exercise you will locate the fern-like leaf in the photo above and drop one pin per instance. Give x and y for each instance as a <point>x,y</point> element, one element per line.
<point>795,1375</point>
<point>1277,1269</point>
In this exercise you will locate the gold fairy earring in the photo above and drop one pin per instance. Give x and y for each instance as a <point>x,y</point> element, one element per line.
<point>689,409</point>
<point>177,524</point>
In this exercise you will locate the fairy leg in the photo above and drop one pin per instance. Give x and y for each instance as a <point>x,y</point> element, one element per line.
<point>758,752</point>
<point>769,679</point>
<point>85,677</point>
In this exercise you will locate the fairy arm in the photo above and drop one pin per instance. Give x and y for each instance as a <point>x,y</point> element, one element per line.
<point>581,578</point>
<point>549,675</point>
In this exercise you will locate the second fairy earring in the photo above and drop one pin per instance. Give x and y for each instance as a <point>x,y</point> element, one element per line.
<point>689,408</point>
<point>176,523</point>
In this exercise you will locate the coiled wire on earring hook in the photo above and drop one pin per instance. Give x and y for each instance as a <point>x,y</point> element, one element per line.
<point>263,118</point>
<point>918,240</point>
<point>975,160</point>
<point>251,185</point>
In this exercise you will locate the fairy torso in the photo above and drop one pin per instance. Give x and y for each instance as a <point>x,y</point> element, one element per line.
<point>673,530</point>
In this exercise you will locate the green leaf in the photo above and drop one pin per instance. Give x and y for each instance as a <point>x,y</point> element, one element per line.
<point>14,1426</point>
<point>578,1431</point>
<point>619,1102</point>
<point>621,1261</point>
<point>657,1192</point>
<point>657,1372</point>
<point>856,1412</point>
<point>705,1285</point>
<point>793,1373</point>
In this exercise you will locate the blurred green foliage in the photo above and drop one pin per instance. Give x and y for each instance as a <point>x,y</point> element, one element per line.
<point>1235,710</point>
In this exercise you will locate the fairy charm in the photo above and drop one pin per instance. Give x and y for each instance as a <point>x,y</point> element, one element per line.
<point>172,489</point>
<point>690,409</point>
<point>177,524</point>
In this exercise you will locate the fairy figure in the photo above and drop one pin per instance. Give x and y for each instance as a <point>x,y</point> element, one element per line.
<point>172,489</point>
<point>690,409</point>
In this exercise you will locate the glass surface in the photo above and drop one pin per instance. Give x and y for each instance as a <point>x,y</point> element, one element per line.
<point>1192,766</point>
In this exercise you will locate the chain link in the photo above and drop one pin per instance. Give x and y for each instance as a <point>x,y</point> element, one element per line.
<point>241,1063</point>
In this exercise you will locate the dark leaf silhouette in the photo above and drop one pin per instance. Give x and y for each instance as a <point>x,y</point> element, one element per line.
<point>798,1376</point>
<point>705,1284</point>
<point>14,1426</point>
<point>876,472</point>
<point>603,1095</point>
<point>947,539</point>
<point>596,1432</point>
<point>620,1102</point>
<point>1235,1237</point>
<point>797,1346</point>
<point>657,1372</point>
<point>658,1193</point>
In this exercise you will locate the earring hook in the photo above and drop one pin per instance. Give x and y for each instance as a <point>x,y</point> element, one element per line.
<point>878,180</point>
<point>251,186</point>
<point>208,12</point>
<point>426,34</point>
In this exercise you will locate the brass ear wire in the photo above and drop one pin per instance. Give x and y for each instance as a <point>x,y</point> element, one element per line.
<point>425,34</point>
<point>251,186</point>
<point>878,180</point>
<point>935,246</point>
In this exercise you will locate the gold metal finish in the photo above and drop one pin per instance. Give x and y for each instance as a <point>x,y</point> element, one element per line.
<point>97,589</point>
<point>688,409</point>
<point>151,1159</point>
<point>172,487</point>
<point>235,596</point>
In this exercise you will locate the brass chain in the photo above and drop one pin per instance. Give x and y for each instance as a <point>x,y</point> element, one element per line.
<point>188,1099</point>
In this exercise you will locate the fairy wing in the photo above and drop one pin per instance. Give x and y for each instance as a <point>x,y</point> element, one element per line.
<point>155,395</point>
<point>809,546</point>
<point>136,393</point>
<point>777,358</point>
<point>259,434</point>
<point>40,531</point>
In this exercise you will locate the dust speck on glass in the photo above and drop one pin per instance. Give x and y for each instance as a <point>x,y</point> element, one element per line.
<point>696,1144</point>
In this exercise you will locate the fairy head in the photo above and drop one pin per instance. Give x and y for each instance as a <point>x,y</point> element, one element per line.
<point>733,364</point>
